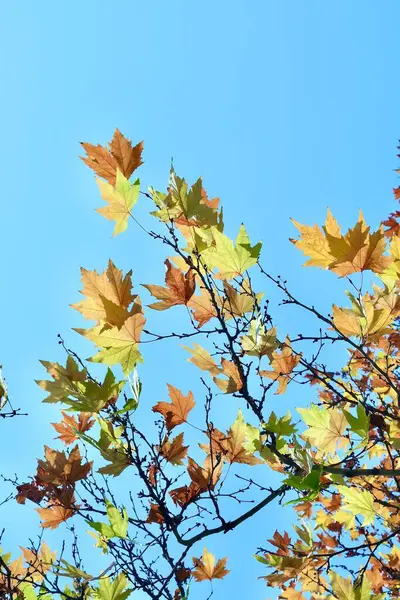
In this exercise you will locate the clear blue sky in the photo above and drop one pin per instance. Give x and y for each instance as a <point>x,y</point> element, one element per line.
<point>283,107</point>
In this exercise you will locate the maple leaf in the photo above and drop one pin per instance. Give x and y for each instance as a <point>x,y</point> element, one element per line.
<point>122,155</point>
<point>258,341</point>
<point>283,362</point>
<point>127,157</point>
<point>369,317</point>
<point>69,426</point>
<point>184,205</point>
<point>231,446</point>
<point>179,288</point>
<point>233,383</point>
<point>183,574</point>
<point>205,477</point>
<point>361,503</point>
<point>111,286</point>
<point>54,515</point>
<point>68,380</point>
<point>119,345</point>
<point>358,250</point>
<point>174,452</point>
<point>205,568</point>
<point>236,452</point>
<point>176,411</point>
<point>59,469</point>
<point>113,589</point>
<point>202,308</point>
<point>292,594</point>
<point>313,242</point>
<point>202,359</point>
<point>239,302</point>
<point>154,515</point>
<point>185,494</point>
<point>231,261</point>
<point>39,561</point>
<point>121,200</point>
<point>392,224</point>
<point>29,491</point>
<point>326,428</point>
<point>342,587</point>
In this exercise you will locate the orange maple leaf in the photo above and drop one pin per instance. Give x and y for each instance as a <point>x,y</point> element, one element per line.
<point>174,452</point>
<point>69,425</point>
<point>58,469</point>
<point>182,496</point>
<point>283,362</point>
<point>54,515</point>
<point>207,476</point>
<point>121,155</point>
<point>233,383</point>
<point>176,411</point>
<point>206,569</point>
<point>179,288</point>
<point>154,515</point>
<point>202,308</point>
<point>39,560</point>
<point>230,446</point>
<point>392,224</point>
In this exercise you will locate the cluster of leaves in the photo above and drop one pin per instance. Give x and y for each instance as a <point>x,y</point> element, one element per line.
<point>336,463</point>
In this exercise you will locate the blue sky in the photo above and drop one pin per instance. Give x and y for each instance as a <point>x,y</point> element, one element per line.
<point>284,108</point>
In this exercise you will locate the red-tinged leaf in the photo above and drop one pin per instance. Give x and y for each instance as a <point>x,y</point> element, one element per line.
<point>205,477</point>
<point>155,515</point>
<point>392,224</point>
<point>69,425</point>
<point>185,494</point>
<point>121,155</point>
<point>58,469</point>
<point>179,288</point>
<point>127,157</point>
<point>174,451</point>
<point>183,574</point>
<point>29,491</point>
<point>152,474</point>
<point>282,542</point>
<point>176,411</point>
<point>101,161</point>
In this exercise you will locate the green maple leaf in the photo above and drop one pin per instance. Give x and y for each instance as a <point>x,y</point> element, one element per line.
<point>118,345</point>
<point>184,202</point>
<point>358,424</point>
<point>67,381</point>
<point>120,198</point>
<point>115,589</point>
<point>231,260</point>
<point>68,570</point>
<point>281,426</point>
<point>118,523</point>
<point>361,503</point>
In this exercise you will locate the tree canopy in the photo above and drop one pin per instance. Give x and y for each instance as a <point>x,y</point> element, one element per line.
<point>332,465</point>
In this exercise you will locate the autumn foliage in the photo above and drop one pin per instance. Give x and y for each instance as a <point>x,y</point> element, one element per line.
<point>334,464</point>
